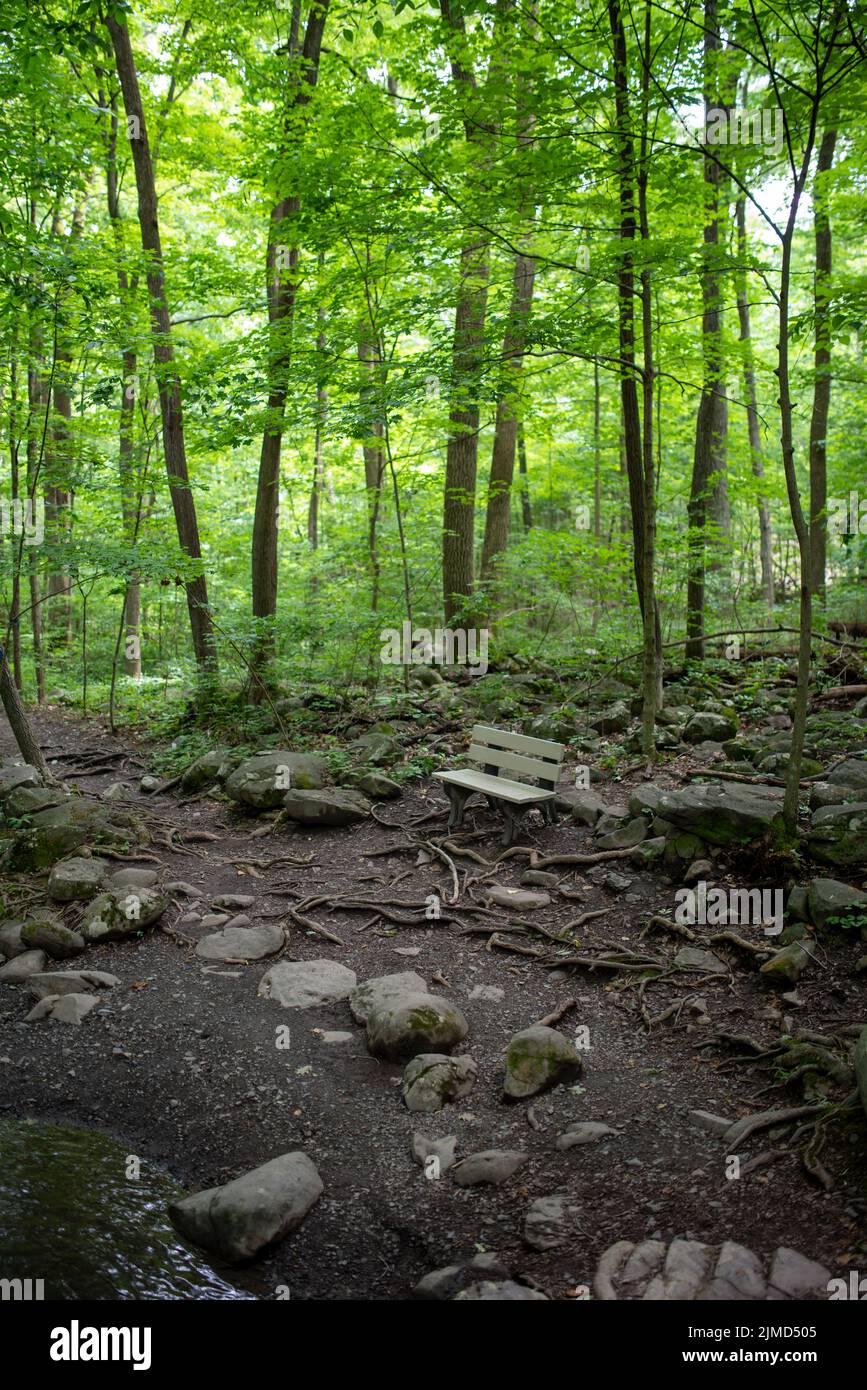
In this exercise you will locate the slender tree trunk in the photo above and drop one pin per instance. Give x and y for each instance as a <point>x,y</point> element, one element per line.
<point>129,492</point>
<point>637,458</point>
<point>822,385</point>
<point>652,643</point>
<point>281,272</point>
<point>174,451</point>
<point>709,420</point>
<point>526,506</point>
<point>15,605</point>
<point>38,393</point>
<point>459,492</point>
<point>19,723</point>
<point>766,551</point>
<point>318,483</point>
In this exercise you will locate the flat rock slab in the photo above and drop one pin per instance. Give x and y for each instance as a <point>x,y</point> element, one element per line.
<point>75,879</point>
<point>584,1132</point>
<point>687,1270</point>
<point>446,1282</point>
<point>342,806</point>
<point>694,958</point>
<point>550,1222</point>
<point>383,991</point>
<point>493,1166</point>
<point>507,1291</point>
<point>22,966</point>
<point>252,1212</point>
<point>241,943</point>
<point>63,1008</point>
<point>70,982</point>
<point>519,899</point>
<point>303,984</point>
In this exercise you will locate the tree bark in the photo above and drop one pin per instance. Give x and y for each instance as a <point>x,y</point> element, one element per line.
<point>19,723</point>
<point>281,269</point>
<point>174,450</point>
<point>766,551</point>
<point>822,384</point>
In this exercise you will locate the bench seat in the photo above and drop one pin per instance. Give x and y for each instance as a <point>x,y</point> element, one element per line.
<point>500,753</point>
<point>500,787</point>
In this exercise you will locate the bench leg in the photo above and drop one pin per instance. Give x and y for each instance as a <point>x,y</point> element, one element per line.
<point>549,812</point>
<point>457,800</point>
<point>512,818</point>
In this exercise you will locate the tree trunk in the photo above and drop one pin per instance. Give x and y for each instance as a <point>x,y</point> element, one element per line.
<point>708,427</point>
<point>174,450</point>
<point>822,385</point>
<point>280,269</point>
<point>15,605</point>
<point>526,506</point>
<point>19,723</point>
<point>637,458</point>
<point>766,550</point>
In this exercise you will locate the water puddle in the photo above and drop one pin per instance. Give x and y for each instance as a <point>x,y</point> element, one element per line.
<point>70,1216</point>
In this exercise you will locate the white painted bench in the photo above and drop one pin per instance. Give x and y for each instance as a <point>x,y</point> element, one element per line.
<point>501,753</point>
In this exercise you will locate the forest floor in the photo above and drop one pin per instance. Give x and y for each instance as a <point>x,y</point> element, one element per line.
<point>181,1062</point>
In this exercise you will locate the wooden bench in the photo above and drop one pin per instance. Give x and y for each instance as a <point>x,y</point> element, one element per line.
<point>501,753</point>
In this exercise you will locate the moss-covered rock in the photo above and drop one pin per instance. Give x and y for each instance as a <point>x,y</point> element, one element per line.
<point>538,1058</point>
<point>417,1023</point>
<point>113,916</point>
<point>54,938</point>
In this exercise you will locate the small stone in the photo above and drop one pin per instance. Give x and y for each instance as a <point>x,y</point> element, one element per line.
<point>336,1037</point>
<point>520,899</point>
<point>584,1132</point>
<point>549,1222</point>
<point>711,1124</point>
<point>492,994</point>
<point>63,1008</point>
<point>694,958</point>
<point>56,939</point>
<point>442,1149</point>
<point>432,1080</point>
<point>493,1166</point>
<point>233,901</point>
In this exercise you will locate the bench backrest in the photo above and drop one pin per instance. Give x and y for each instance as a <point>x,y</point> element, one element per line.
<point>516,755</point>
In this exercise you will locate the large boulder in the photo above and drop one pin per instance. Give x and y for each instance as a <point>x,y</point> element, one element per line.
<point>337,806</point>
<point>211,767</point>
<point>24,801</point>
<point>707,725</point>
<point>14,774</point>
<point>612,720</point>
<point>851,773</point>
<point>832,903</point>
<point>303,984</point>
<point>726,815</point>
<point>417,1023</point>
<point>376,748</point>
<point>245,1216</point>
<point>537,1059</point>
<point>60,830</point>
<point>384,991</point>
<point>263,780</point>
<point>77,878</point>
<point>838,834</point>
<point>431,1080</point>
<point>114,916</point>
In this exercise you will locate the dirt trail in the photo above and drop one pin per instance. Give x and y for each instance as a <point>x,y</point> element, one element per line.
<point>182,1064</point>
